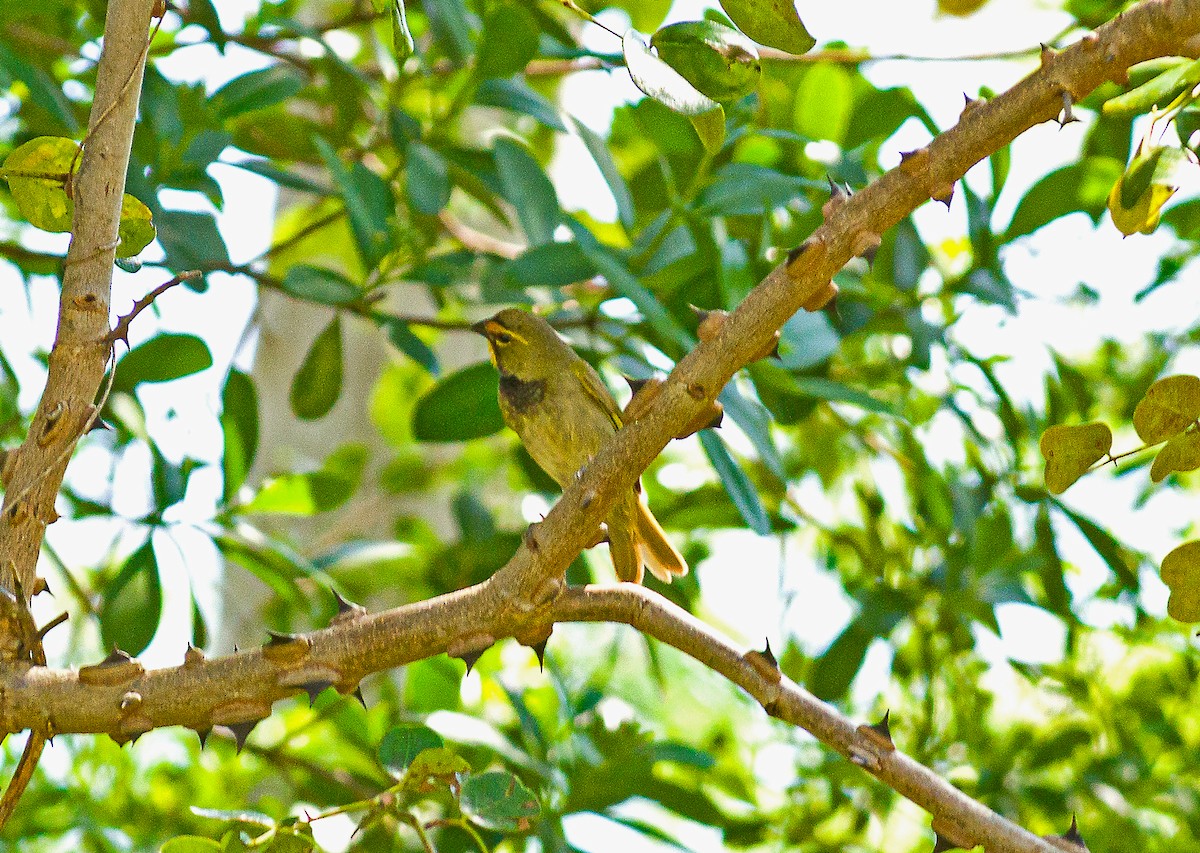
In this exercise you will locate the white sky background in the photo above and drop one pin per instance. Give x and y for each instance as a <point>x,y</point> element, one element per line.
<point>743,585</point>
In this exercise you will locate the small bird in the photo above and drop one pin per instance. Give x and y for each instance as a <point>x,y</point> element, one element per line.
<point>556,403</point>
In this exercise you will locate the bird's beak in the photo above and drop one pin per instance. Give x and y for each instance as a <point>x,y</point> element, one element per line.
<point>485,328</point>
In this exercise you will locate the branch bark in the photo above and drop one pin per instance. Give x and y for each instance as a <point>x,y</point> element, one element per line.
<point>527,596</point>
<point>34,471</point>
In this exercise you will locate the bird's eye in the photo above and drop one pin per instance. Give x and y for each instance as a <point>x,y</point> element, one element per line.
<point>503,338</point>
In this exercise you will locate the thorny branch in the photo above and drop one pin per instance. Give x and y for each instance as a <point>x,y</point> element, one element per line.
<point>527,596</point>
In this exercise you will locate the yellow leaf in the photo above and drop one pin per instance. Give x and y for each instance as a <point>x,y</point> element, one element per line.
<point>1181,574</point>
<point>1070,451</point>
<point>1138,196</point>
<point>1170,405</point>
<point>37,173</point>
<point>1181,453</point>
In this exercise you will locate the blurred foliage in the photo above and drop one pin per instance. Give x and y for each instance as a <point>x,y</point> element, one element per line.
<point>892,460</point>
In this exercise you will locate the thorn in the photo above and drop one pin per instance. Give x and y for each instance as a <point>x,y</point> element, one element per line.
<point>99,424</point>
<point>241,731</point>
<point>943,194</point>
<point>192,656</point>
<point>471,658</point>
<point>116,657</point>
<point>696,391</point>
<point>315,689</point>
<point>119,739</point>
<point>837,197</point>
<point>40,586</point>
<point>203,735</point>
<point>883,727</point>
<point>347,610</point>
<point>358,694</point>
<point>765,664</point>
<point>1072,836</point>
<point>794,253</point>
<point>279,638</point>
<point>941,843</point>
<point>539,649</point>
<point>635,385</point>
<point>1048,54</point>
<point>1066,115</point>
<point>710,323</point>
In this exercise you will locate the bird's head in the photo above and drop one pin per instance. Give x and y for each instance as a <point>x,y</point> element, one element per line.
<point>523,345</point>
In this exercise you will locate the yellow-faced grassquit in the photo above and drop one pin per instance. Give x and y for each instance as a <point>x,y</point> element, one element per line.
<point>557,404</point>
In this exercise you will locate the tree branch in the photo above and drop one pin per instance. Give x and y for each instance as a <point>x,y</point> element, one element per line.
<point>526,596</point>
<point>33,472</point>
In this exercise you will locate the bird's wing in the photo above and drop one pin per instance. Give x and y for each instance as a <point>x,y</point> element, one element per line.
<point>590,380</point>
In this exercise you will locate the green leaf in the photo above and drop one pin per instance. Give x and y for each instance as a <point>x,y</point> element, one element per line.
<point>1115,555</point>
<point>162,358</point>
<point>823,102</point>
<point>434,766</point>
<point>744,189</point>
<point>256,90</point>
<point>597,147</point>
<point>427,183</point>
<point>625,283</point>
<point>836,392</point>
<point>241,816</point>
<point>190,844</point>
<point>510,41</point>
<point>499,801</point>
<point>239,427</point>
<point>402,39</point>
<point>774,23</point>
<point>460,407</point>
<point>318,284</point>
<point>44,90</point>
<point>550,265</point>
<point>662,82</point>
<point>710,127</point>
<point>204,14</point>
<point>403,743</point>
<point>369,203</point>
<point>741,491</point>
<point>132,605</point>
<point>404,340</point>
<point>329,487</point>
<point>1159,91</point>
<point>517,96</point>
<point>525,186</point>
<point>190,240</point>
<point>754,420</point>
<point>1082,186</point>
<point>719,61</point>
<point>318,383</point>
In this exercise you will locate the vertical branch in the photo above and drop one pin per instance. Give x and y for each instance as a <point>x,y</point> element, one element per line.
<point>33,472</point>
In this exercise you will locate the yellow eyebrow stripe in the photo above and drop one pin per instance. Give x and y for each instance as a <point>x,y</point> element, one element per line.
<point>492,328</point>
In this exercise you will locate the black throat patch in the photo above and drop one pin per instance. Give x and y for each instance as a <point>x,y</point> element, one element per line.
<point>521,394</point>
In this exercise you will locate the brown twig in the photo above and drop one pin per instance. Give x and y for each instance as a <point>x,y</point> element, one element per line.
<point>120,331</point>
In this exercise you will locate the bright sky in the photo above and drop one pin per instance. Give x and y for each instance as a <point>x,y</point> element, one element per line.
<point>745,585</point>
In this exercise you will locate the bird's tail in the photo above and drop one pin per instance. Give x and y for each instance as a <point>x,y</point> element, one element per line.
<point>661,557</point>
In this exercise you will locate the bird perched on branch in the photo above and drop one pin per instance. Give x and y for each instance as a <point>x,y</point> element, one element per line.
<point>556,403</point>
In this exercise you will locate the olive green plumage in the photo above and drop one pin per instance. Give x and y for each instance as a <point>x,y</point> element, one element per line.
<point>556,403</point>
